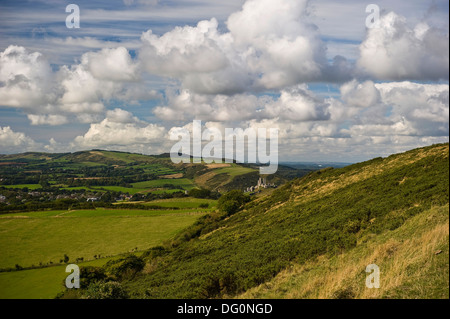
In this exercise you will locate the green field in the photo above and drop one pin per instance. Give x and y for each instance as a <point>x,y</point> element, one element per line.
<point>234,170</point>
<point>139,187</point>
<point>76,188</point>
<point>29,186</point>
<point>40,237</point>
<point>157,169</point>
<point>38,214</point>
<point>43,237</point>
<point>188,203</point>
<point>104,212</point>
<point>166,191</point>
<point>185,183</point>
<point>125,157</point>
<point>184,203</point>
<point>131,191</point>
<point>42,283</point>
<point>81,165</point>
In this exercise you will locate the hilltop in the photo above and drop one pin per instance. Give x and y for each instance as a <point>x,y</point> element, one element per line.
<point>314,237</point>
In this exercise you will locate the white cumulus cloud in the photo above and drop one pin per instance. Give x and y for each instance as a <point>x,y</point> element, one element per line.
<point>121,130</point>
<point>268,45</point>
<point>295,104</point>
<point>15,142</point>
<point>395,51</point>
<point>79,92</point>
<point>25,78</point>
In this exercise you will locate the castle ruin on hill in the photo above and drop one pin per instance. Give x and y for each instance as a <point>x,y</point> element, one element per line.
<point>262,184</point>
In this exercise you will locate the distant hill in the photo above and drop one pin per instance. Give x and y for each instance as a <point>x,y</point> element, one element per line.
<point>95,156</point>
<point>314,237</point>
<point>314,165</point>
<point>218,177</point>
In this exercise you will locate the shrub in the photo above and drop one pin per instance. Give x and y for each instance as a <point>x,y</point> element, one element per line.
<point>199,193</point>
<point>90,275</point>
<point>232,201</point>
<point>154,252</point>
<point>105,290</point>
<point>223,283</point>
<point>125,267</point>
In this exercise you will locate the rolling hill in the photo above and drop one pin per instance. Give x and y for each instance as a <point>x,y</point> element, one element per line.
<point>314,237</point>
<point>123,169</point>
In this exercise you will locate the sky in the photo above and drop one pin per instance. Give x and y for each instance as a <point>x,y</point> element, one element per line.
<point>337,89</point>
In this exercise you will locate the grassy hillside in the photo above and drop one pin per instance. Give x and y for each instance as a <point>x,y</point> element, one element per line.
<point>413,260</point>
<point>385,211</point>
<point>226,177</point>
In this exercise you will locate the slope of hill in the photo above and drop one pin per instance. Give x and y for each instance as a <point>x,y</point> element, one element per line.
<point>226,177</point>
<point>413,260</point>
<point>392,212</point>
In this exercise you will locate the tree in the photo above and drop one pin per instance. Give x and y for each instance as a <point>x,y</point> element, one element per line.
<point>232,201</point>
<point>125,267</point>
<point>91,274</point>
<point>43,182</point>
<point>199,193</point>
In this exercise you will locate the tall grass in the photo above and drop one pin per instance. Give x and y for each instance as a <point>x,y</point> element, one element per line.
<point>406,256</point>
